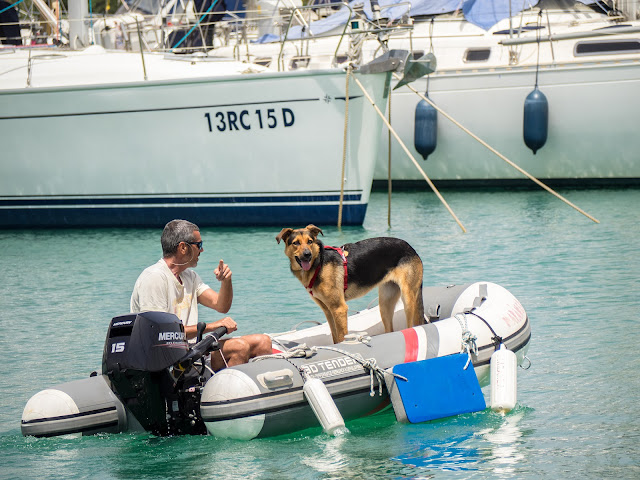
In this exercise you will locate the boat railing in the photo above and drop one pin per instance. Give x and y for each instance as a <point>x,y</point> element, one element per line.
<point>240,34</point>
<point>31,23</point>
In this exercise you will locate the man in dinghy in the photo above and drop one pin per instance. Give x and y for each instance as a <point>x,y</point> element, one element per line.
<point>171,286</point>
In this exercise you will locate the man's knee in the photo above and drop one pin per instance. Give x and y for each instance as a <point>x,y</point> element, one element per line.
<point>237,346</point>
<point>260,344</point>
<point>239,350</point>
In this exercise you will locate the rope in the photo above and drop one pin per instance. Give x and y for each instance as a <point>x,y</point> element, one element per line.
<point>539,25</point>
<point>344,144</point>
<point>404,147</point>
<point>302,351</point>
<point>485,144</point>
<point>358,337</point>
<point>497,339</point>
<point>371,365</point>
<point>223,359</point>
<point>468,344</point>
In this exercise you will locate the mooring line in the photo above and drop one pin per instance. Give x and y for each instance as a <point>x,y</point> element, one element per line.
<point>521,170</point>
<point>404,147</point>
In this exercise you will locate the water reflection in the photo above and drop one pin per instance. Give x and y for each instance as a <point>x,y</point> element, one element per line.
<point>450,455</point>
<point>506,446</point>
<point>488,442</point>
<point>331,457</point>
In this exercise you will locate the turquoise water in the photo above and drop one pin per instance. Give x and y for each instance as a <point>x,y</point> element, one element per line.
<point>577,413</point>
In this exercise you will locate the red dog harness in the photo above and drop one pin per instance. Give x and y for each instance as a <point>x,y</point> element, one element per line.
<point>315,274</point>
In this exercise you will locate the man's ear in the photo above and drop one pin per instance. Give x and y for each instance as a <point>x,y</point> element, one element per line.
<point>284,234</point>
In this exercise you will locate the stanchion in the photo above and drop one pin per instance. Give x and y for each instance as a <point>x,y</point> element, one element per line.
<point>526,174</point>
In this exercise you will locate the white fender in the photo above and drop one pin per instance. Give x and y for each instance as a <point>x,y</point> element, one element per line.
<point>229,384</point>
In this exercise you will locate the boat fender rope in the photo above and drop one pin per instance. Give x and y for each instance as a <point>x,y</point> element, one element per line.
<point>497,339</point>
<point>468,344</point>
<point>302,351</point>
<point>358,337</point>
<point>371,365</point>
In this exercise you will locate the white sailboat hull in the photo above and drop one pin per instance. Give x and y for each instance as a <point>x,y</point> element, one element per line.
<point>593,112</point>
<point>590,76</point>
<point>235,149</point>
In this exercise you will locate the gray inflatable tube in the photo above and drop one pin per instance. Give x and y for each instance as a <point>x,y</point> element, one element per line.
<point>265,397</point>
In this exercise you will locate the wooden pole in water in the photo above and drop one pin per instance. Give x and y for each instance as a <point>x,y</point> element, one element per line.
<point>526,174</point>
<point>344,145</point>
<point>404,147</point>
<point>389,166</point>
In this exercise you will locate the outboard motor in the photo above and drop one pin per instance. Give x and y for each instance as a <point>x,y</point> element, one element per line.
<point>151,368</point>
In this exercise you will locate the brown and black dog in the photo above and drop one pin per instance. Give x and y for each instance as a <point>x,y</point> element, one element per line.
<point>333,275</point>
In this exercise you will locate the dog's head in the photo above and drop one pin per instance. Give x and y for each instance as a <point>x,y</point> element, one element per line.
<point>301,246</point>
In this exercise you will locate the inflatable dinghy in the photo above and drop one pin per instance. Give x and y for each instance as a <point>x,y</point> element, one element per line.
<point>152,380</point>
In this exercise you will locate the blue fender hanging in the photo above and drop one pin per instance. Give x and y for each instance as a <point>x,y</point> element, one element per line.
<point>426,129</point>
<point>536,120</point>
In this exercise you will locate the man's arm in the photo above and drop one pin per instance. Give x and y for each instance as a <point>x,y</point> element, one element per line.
<point>228,322</point>
<point>219,301</point>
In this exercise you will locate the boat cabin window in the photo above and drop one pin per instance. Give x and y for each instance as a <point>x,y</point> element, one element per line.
<point>416,54</point>
<point>299,62</point>
<point>264,61</point>
<point>477,54</point>
<point>604,47</point>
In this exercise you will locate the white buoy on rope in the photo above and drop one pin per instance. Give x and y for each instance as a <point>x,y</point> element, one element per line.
<point>323,406</point>
<point>504,381</point>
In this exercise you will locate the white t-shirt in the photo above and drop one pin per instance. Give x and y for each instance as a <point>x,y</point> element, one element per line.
<point>157,289</point>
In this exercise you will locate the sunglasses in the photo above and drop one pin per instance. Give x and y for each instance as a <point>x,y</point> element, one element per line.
<point>197,244</point>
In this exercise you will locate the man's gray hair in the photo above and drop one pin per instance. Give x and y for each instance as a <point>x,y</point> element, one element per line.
<point>174,232</point>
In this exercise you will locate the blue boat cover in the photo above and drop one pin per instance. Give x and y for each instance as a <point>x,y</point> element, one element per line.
<point>483,13</point>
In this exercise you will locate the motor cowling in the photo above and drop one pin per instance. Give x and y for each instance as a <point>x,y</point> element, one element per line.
<point>141,357</point>
<point>149,341</point>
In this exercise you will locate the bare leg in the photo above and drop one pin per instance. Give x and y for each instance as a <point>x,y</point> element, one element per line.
<point>239,350</point>
<point>259,344</point>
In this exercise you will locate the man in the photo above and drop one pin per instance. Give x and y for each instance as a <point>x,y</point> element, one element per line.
<point>171,286</point>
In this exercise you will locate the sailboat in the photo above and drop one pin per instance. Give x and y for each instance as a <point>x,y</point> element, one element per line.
<point>549,85</point>
<point>95,137</point>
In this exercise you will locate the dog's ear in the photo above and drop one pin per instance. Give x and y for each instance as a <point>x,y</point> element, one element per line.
<point>284,234</point>
<point>314,230</point>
